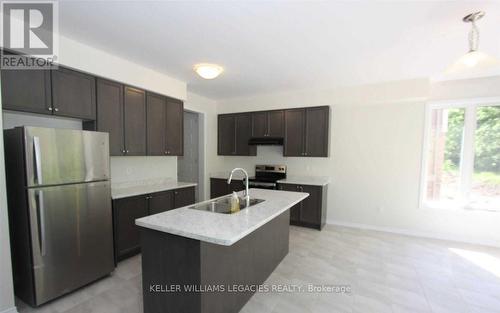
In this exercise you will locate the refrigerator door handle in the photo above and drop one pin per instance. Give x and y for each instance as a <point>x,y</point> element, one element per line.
<point>41,221</point>
<point>37,165</point>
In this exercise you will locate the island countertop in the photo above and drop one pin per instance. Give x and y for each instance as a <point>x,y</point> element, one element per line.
<point>223,229</point>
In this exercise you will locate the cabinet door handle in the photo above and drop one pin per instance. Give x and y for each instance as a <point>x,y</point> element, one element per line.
<point>49,108</point>
<point>56,109</point>
<point>123,151</point>
<point>127,151</point>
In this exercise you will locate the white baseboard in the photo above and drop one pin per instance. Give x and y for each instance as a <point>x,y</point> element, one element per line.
<point>415,233</point>
<point>10,310</point>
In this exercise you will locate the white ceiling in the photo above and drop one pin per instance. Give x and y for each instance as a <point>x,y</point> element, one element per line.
<point>275,46</point>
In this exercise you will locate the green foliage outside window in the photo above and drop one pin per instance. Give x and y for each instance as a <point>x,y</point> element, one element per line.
<point>487,143</point>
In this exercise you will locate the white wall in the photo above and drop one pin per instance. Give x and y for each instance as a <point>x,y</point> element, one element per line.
<point>135,168</point>
<point>467,88</point>
<point>375,157</point>
<point>86,58</point>
<point>6,286</point>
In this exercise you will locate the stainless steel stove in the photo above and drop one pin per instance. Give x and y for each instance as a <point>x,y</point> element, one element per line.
<point>266,176</point>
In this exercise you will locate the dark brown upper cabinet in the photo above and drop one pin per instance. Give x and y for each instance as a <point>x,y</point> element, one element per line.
<point>294,132</point>
<point>276,124</point>
<point>306,132</point>
<point>267,124</point>
<point>134,104</point>
<point>73,94</point>
<point>16,83</point>
<point>136,125</point>
<point>61,92</point>
<point>317,130</point>
<point>156,124</point>
<point>110,114</point>
<point>243,123</point>
<point>226,135</point>
<point>260,124</point>
<point>175,127</point>
<point>165,125</point>
<point>234,131</point>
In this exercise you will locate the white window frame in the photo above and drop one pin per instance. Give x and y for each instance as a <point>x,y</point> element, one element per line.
<point>467,160</point>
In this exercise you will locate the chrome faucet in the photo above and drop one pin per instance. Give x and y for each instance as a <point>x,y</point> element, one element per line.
<point>247,195</point>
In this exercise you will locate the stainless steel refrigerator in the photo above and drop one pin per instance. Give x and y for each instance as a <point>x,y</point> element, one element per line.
<point>59,200</point>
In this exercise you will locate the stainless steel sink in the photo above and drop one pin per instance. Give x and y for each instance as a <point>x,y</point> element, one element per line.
<point>223,205</point>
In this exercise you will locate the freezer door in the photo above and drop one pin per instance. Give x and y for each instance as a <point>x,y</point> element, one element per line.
<point>72,238</point>
<point>63,156</point>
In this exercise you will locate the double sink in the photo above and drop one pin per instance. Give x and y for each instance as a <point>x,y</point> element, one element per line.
<point>223,205</point>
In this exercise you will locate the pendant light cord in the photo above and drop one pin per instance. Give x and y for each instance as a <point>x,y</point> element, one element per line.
<point>473,37</point>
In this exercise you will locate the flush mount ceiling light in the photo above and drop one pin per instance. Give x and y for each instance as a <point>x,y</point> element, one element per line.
<point>207,70</point>
<point>473,61</point>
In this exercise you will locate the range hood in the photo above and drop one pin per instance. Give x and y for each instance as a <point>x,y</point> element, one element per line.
<point>266,141</point>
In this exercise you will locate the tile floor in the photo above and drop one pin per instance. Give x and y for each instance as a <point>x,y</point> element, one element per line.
<point>387,273</point>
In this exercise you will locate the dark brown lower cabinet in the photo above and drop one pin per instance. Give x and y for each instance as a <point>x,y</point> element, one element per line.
<point>126,233</point>
<point>219,187</point>
<point>295,213</point>
<point>183,197</point>
<point>127,210</point>
<point>160,202</point>
<point>310,212</point>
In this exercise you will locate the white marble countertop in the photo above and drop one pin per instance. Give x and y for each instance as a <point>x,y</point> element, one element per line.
<point>223,229</point>
<point>306,180</point>
<point>140,187</point>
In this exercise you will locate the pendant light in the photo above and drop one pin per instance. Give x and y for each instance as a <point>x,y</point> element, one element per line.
<point>473,61</point>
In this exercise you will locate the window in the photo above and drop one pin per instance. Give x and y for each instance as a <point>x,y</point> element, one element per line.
<point>462,156</point>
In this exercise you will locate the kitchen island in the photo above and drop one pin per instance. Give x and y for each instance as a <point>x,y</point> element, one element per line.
<point>198,261</point>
